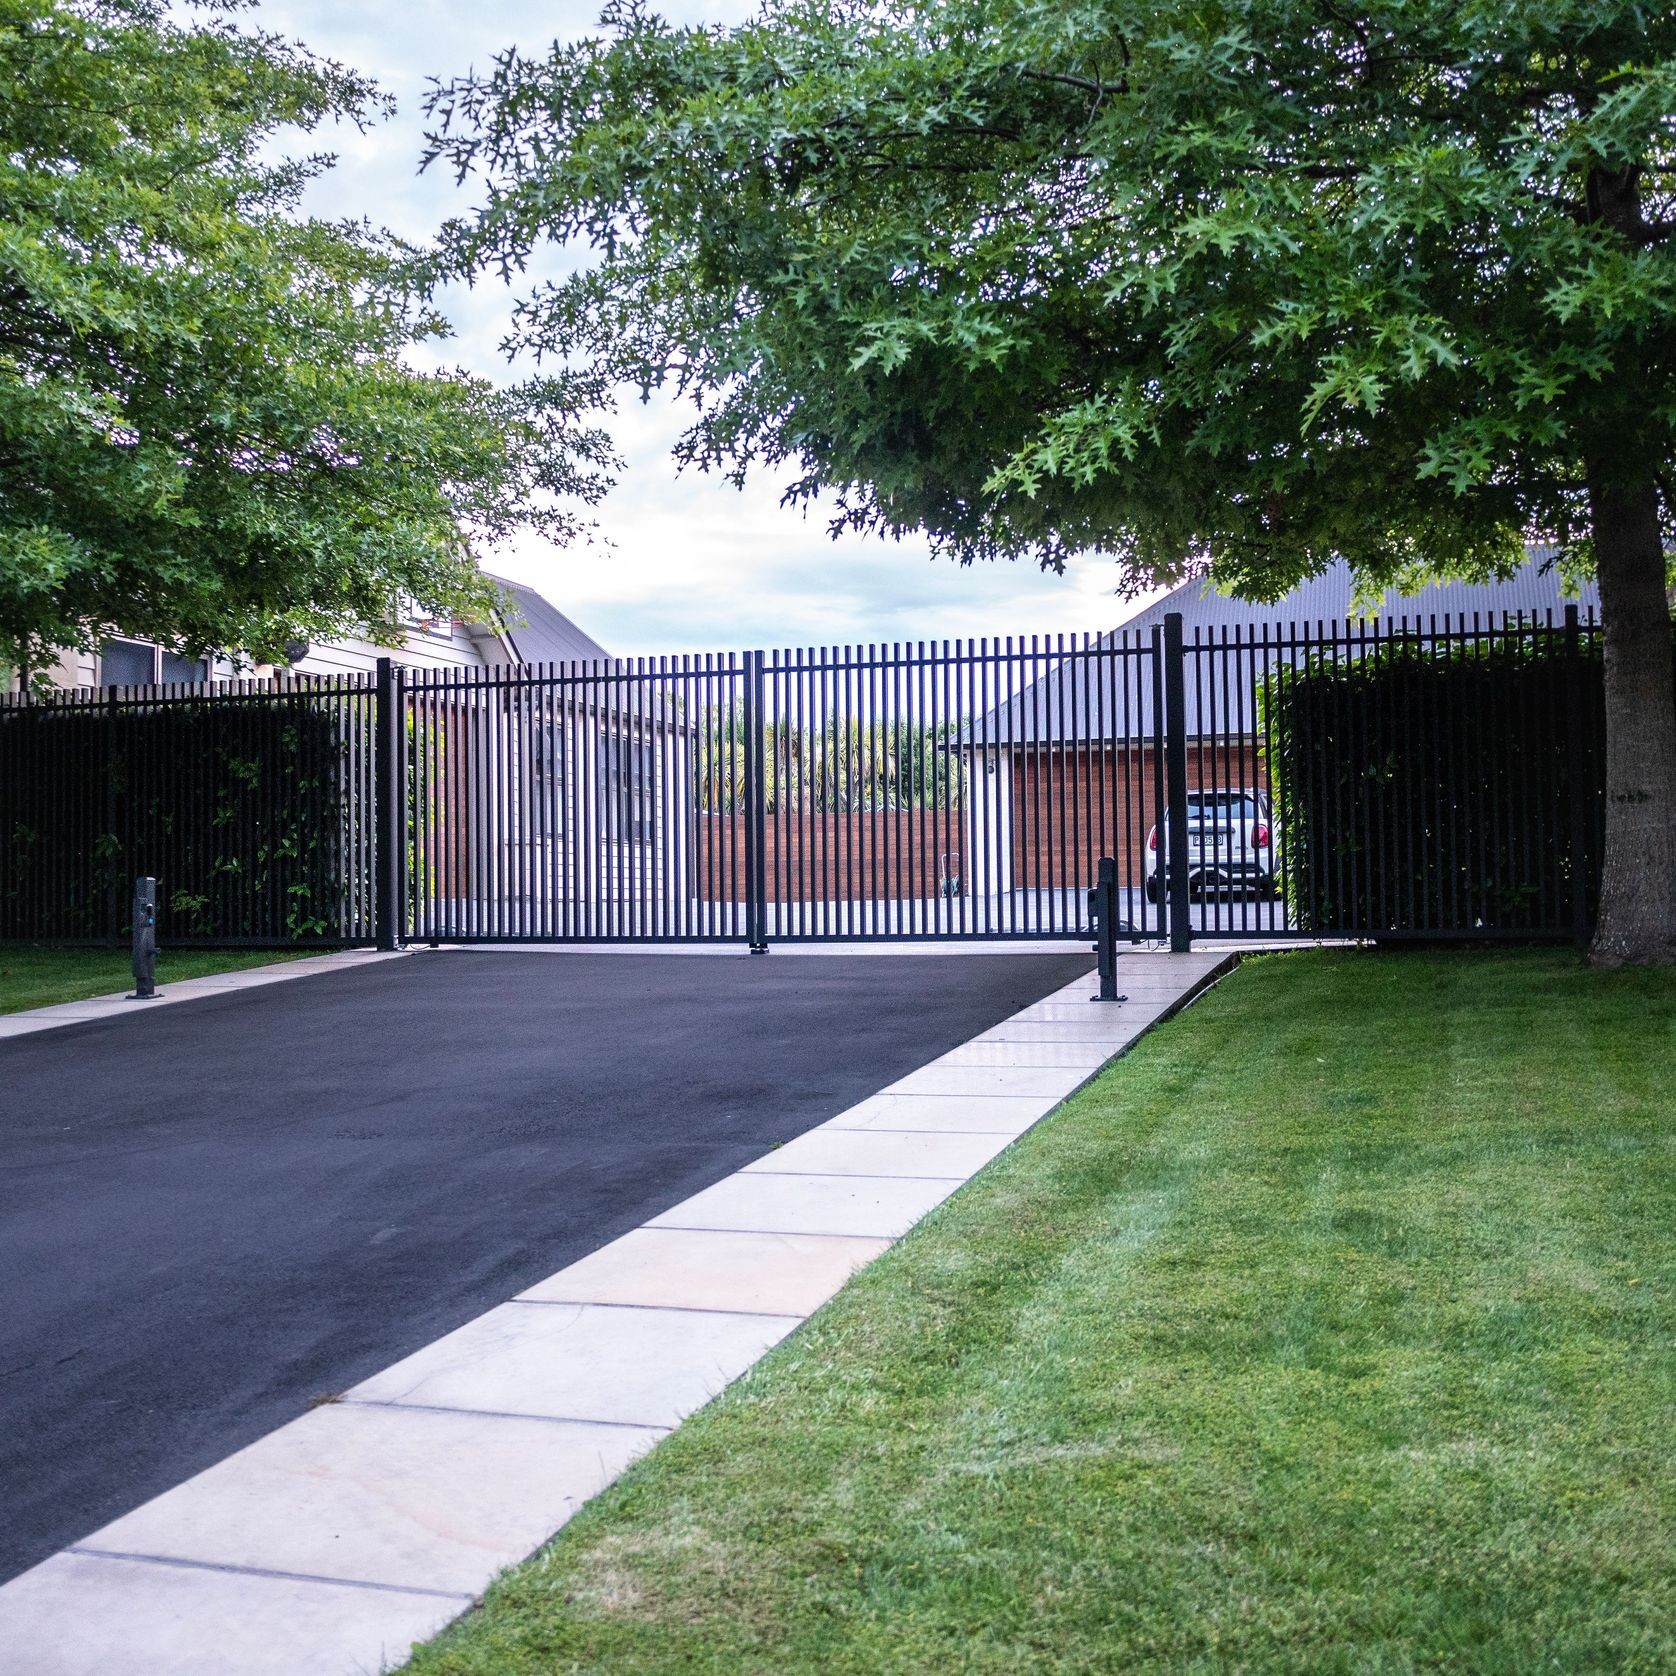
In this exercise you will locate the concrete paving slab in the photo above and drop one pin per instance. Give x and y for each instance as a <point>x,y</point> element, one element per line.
<point>256,978</point>
<point>1047,1082</point>
<point>882,1152</point>
<point>175,991</point>
<point>74,1012</point>
<point>1087,1013</point>
<point>941,1115</point>
<point>86,1615</point>
<point>880,1207</point>
<point>22,1024</point>
<point>998,1114</point>
<point>1055,1030</point>
<point>638,1367</point>
<point>406,1497</point>
<point>1021,1050</point>
<point>682,1268</point>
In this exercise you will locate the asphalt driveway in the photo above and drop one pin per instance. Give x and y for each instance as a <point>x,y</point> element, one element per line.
<point>216,1213</point>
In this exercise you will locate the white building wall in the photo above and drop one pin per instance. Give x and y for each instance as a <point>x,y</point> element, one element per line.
<point>989,824</point>
<point>426,645</point>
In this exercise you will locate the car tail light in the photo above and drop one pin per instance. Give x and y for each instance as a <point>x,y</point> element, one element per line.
<point>1260,836</point>
<point>1152,839</point>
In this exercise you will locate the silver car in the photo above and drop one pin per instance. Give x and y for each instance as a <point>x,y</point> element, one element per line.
<point>1231,845</point>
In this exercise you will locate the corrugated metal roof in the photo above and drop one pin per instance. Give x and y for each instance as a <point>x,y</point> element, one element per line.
<point>1533,589</point>
<point>617,693</point>
<point>1107,694</point>
<point>546,634</point>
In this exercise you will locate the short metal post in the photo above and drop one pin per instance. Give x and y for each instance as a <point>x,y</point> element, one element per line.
<point>1102,903</point>
<point>1174,836</point>
<point>145,940</point>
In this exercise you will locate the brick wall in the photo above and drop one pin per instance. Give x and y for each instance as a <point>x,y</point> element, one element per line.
<point>831,858</point>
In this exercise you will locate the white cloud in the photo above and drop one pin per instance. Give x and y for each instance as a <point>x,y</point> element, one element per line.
<point>692,564</point>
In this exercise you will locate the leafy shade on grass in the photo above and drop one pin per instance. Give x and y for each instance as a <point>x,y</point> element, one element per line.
<point>1332,1330</point>
<point>42,977</point>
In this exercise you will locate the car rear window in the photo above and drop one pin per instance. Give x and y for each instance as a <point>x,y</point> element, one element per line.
<point>1222,806</point>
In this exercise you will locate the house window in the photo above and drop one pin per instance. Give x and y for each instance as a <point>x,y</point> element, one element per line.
<point>629,788</point>
<point>172,667</point>
<point>138,663</point>
<point>127,663</point>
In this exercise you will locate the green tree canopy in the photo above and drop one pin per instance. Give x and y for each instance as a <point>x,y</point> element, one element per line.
<point>208,435</point>
<point>1236,287</point>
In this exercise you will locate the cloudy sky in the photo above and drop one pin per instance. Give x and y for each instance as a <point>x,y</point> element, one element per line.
<point>693,564</point>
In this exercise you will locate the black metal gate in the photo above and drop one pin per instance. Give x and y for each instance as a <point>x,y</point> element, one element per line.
<point>935,791</point>
<point>1393,780</point>
<point>1437,780</point>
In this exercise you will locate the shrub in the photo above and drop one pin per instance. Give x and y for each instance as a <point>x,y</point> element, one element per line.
<point>1433,785</point>
<point>246,809</point>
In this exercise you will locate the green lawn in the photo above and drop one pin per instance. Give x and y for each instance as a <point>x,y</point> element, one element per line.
<point>42,977</point>
<point>1332,1330</point>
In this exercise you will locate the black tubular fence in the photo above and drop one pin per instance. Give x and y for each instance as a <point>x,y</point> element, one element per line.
<point>251,804</point>
<point>1395,780</point>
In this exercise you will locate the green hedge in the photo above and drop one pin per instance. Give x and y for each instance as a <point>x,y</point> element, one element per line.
<point>249,810</point>
<point>1433,787</point>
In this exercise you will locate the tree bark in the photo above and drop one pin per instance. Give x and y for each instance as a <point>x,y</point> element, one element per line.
<point>1637,924</point>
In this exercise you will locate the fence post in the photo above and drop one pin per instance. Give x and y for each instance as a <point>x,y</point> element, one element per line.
<point>118,860</point>
<point>1175,791</point>
<point>145,940</point>
<point>756,810</point>
<point>1575,778</point>
<point>389,808</point>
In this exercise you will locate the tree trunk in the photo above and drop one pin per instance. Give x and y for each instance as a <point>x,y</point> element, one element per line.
<point>1637,924</point>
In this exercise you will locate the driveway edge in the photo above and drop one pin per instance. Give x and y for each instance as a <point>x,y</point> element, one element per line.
<point>31,1020</point>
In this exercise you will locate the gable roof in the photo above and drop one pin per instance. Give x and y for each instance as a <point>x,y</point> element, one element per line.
<point>1085,700</point>
<point>1533,588</point>
<point>546,634</point>
<point>616,692</point>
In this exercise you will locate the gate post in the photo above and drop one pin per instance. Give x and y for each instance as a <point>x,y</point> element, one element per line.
<point>756,810</point>
<point>389,806</point>
<point>1578,840</point>
<point>113,875</point>
<point>1175,775</point>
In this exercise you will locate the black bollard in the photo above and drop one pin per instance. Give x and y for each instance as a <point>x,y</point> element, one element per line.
<point>1102,906</point>
<point>145,940</point>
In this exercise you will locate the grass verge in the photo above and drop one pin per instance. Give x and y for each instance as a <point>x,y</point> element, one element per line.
<point>44,976</point>
<point>1332,1330</point>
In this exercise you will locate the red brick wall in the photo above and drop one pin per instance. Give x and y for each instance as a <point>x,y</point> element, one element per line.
<point>830,858</point>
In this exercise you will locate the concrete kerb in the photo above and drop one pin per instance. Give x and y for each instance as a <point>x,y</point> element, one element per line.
<point>328,1546</point>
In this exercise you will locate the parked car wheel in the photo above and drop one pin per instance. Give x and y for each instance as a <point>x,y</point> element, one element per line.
<point>1152,889</point>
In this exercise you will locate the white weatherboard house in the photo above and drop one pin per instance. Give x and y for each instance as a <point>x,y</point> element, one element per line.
<point>545,635</point>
